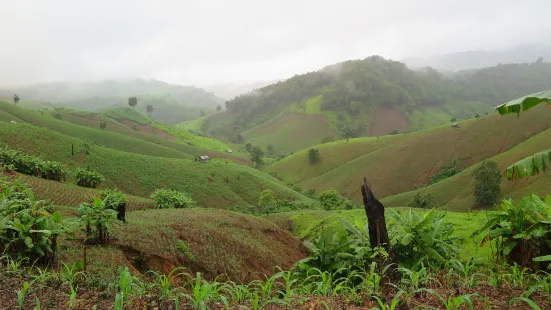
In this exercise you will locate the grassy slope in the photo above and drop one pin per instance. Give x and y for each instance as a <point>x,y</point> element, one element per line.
<point>221,242</point>
<point>310,224</point>
<point>107,139</point>
<point>290,132</point>
<point>441,115</point>
<point>27,104</point>
<point>217,184</point>
<point>456,193</point>
<point>68,194</point>
<point>410,162</point>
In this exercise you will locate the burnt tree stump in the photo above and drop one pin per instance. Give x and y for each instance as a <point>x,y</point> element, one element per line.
<point>375,212</point>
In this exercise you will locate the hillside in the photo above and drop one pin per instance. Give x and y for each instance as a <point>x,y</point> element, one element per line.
<point>138,135</point>
<point>369,97</point>
<point>400,163</point>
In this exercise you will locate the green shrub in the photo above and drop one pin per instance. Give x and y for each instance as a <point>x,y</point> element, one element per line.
<point>267,201</point>
<point>422,201</point>
<point>167,198</point>
<point>422,238</point>
<point>314,155</point>
<point>330,200</point>
<point>31,165</point>
<point>88,178</point>
<point>446,172</point>
<point>28,227</point>
<point>487,183</point>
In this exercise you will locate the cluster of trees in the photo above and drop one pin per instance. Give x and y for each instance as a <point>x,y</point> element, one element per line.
<point>354,89</point>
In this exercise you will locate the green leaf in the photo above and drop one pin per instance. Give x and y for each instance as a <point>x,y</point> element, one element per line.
<point>56,217</point>
<point>29,242</point>
<point>544,258</point>
<point>509,247</point>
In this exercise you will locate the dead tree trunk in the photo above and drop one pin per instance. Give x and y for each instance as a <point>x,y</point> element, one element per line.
<point>375,212</point>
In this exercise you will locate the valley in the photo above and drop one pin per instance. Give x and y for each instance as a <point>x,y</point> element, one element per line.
<point>259,205</point>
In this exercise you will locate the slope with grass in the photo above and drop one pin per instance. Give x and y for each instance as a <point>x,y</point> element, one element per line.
<point>412,159</point>
<point>128,122</point>
<point>107,139</point>
<point>290,132</point>
<point>219,184</point>
<point>219,242</point>
<point>456,193</point>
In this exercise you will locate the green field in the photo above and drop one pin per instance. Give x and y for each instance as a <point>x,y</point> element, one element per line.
<point>220,183</point>
<point>305,130</point>
<point>393,165</point>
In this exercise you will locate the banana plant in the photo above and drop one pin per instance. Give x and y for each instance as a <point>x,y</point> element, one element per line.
<point>519,231</point>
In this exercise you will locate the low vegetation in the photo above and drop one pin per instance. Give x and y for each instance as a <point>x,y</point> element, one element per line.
<point>88,178</point>
<point>167,198</point>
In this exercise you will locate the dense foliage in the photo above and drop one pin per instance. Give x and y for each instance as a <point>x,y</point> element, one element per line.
<point>487,183</point>
<point>331,200</point>
<point>13,160</point>
<point>168,198</point>
<point>422,201</point>
<point>521,232</point>
<point>446,172</point>
<point>88,178</point>
<point>28,227</point>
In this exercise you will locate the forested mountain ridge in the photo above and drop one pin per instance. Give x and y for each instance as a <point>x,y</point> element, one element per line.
<point>373,96</point>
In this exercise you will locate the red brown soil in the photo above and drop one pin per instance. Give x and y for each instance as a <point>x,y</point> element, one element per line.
<point>148,129</point>
<point>386,121</point>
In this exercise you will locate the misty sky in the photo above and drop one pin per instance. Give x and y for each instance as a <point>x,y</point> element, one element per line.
<point>208,42</point>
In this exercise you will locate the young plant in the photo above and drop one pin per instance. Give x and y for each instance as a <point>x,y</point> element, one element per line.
<point>96,219</point>
<point>21,294</point>
<point>204,293</point>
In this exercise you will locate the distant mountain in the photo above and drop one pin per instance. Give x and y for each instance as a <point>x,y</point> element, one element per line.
<point>230,91</point>
<point>481,58</point>
<point>63,92</point>
<point>369,97</point>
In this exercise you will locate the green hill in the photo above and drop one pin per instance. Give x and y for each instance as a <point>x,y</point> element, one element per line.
<point>153,138</point>
<point>369,97</point>
<point>400,163</point>
<point>220,183</point>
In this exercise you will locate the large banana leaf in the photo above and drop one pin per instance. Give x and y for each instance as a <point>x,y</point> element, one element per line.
<point>525,103</point>
<point>529,166</point>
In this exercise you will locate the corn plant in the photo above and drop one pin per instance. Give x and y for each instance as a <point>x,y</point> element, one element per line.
<point>167,198</point>
<point>393,303</point>
<point>528,301</point>
<point>204,293</point>
<point>454,303</point>
<point>166,281</point>
<point>69,274</point>
<point>72,296</point>
<point>21,294</point>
